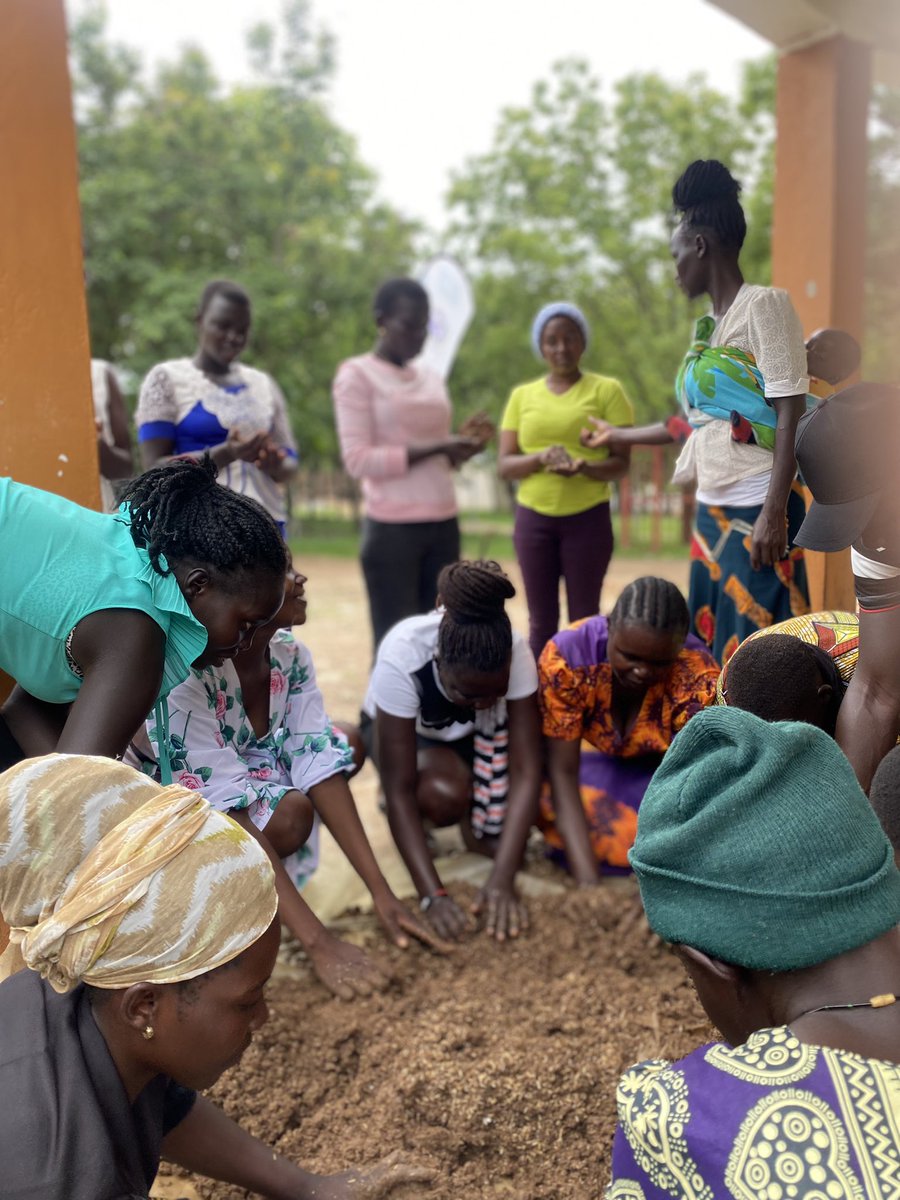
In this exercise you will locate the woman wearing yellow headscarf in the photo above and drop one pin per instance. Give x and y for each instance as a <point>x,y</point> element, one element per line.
<point>148,922</point>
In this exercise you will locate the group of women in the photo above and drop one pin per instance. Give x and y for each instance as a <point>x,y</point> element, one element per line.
<point>148,920</point>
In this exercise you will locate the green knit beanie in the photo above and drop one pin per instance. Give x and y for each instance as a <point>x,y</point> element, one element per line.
<point>756,844</point>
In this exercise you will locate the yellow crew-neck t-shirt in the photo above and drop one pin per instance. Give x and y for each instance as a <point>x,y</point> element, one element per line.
<point>540,418</point>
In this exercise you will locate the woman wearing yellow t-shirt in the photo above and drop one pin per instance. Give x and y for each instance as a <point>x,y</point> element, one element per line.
<point>563,528</point>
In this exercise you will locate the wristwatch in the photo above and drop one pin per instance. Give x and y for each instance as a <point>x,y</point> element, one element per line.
<point>426,902</point>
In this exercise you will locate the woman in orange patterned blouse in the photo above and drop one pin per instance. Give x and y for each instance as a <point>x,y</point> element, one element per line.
<point>613,693</point>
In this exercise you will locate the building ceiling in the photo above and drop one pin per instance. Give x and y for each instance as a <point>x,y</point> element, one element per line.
<point>792,24</point>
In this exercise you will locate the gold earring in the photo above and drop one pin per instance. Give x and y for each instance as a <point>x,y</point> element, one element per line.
<point>147,1032</point>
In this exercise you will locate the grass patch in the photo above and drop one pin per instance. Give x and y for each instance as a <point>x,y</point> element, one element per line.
<point>484,535</point>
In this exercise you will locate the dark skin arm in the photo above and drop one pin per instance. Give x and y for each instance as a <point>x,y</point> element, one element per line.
<point>209,1143</point>
<point>619,438</point>
<point>458,447</point>
<point>345,970</point>
<point>563,762</point>
<point>506,915</point>
<point>276,462</point>
<point>121,653</point>
<point>396,754</point>
<point>334,803</point>
<point>513,464</point>
<point>157,451</point>
<point>869,718</point>
<point>116,461</point>
<point>769,541</point>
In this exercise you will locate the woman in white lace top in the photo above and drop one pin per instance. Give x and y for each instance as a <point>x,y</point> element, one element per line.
<point>742,389</point>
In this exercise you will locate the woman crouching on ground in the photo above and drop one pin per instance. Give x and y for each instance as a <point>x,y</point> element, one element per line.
<point>760,859</point>
<point>453,701</point>
<point>614,692</point>
<point>253,736</point>
<point>147,920</point>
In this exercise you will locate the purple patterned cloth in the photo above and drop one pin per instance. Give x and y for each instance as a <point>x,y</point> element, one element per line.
<point>774,1119</point>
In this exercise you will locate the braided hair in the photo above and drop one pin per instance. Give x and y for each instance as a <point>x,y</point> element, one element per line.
<point>475,631</point>
<point>232,292</point>
<point>178,512</point>
<point>653,602</point>
<point>393,290</point>
<point>706,197</point>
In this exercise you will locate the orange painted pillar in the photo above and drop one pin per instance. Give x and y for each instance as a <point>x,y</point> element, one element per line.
<point>47,435</point>
<point>819,225</point>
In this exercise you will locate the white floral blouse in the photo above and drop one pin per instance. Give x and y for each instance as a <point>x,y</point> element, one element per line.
<point>213,747</point>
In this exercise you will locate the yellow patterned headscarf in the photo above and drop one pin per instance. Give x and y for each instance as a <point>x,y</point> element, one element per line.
<point>109,879</point>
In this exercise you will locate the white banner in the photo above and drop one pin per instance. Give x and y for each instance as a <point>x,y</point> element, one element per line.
<point>452,307</point>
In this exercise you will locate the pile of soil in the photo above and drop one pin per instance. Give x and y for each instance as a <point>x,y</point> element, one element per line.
<point>496,1066</point>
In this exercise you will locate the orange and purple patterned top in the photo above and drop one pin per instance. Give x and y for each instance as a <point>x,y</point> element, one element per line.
<point>575,693</point>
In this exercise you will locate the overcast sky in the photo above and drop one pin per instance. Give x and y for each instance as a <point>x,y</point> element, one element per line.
<point>421,84</point>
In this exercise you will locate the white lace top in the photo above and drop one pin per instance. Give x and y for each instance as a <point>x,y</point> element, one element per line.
<point>761,321</point>
<point>182,405</point>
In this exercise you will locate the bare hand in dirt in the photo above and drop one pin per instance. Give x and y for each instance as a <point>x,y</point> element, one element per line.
<point>270,456</point>
<point>479,426</point>
<point>601,434</point>
<point>346,970</point>
<point>768,542</point>
<point>506,916</point>
<point>447,919</point>
<point>375,1183</point>
<point>398,922</point>
<point>244,447</point>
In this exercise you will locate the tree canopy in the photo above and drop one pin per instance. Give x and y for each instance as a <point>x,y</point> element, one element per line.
<point>571,203</point>
<point>184,180</point>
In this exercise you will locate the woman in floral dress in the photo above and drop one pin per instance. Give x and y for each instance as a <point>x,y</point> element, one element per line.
<point>254,737</point>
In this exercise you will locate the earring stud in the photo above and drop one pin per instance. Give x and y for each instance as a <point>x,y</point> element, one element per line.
<point>147,1032</point>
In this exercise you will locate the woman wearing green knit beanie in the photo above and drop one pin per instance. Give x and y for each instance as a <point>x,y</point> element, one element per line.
<point>761,860</point>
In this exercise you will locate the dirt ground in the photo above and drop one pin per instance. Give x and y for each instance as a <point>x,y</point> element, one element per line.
<point>495,1066</point>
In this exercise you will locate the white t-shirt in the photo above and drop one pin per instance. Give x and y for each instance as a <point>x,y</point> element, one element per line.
<point>405,682</point>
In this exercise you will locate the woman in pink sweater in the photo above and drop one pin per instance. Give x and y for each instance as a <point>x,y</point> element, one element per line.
<point>394,426</point>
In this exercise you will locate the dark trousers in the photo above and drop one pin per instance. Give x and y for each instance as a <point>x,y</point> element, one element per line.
<point>401,563</point>
<point>576,549</point>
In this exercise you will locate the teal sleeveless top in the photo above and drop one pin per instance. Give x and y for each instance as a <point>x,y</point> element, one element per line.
<point>58,563</point>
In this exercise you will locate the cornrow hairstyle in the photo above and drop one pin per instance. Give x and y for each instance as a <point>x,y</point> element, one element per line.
<point>707,197</point>
<point>884,796</point>
<point>475,630</point>
<point>224,288</point>
<point>654,602</point>
<point>397,289</point>
<point>777,678</point>
<point>178,512</point>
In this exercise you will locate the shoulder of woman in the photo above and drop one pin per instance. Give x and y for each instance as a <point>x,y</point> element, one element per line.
<point>769,298</point>
<point>172,366</point>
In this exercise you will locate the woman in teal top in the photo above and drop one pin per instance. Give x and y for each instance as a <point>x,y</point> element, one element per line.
<point>563,528</point>
<point>101,615</point>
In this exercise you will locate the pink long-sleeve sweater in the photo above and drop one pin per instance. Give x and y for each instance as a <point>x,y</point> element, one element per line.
<point>380,409</point>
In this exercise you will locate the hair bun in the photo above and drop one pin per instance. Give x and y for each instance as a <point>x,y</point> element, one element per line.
<point>705,181</point>
<point>473,592</point>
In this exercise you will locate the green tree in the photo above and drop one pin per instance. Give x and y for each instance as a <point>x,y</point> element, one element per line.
<point>572,202</point>
<point>183,180</point>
